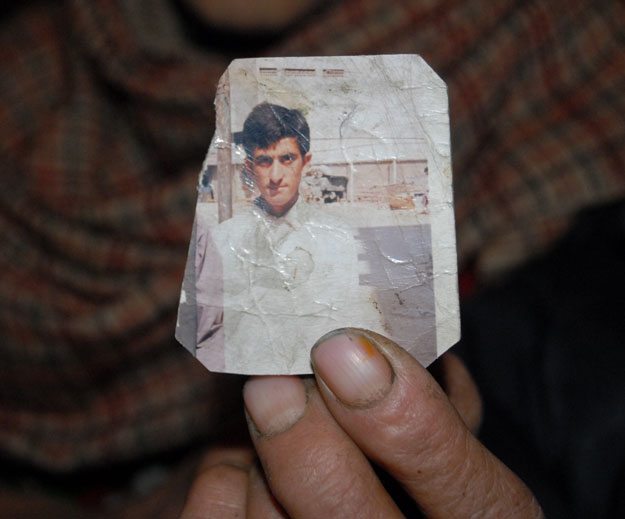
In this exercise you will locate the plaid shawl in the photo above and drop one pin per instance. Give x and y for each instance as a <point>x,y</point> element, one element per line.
<point>105,115</point>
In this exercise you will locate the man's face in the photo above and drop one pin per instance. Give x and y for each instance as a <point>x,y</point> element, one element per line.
<point>277,171</point>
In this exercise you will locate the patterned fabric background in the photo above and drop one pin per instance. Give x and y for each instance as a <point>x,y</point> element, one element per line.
<point>105,115</point>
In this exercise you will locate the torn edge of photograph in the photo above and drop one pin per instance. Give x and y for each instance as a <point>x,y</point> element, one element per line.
<point>325,201</point>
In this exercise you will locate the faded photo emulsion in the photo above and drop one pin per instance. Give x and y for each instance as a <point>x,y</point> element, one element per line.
<point>324,202</point>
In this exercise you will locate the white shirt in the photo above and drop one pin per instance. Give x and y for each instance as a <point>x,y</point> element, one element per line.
<point>286,281</point>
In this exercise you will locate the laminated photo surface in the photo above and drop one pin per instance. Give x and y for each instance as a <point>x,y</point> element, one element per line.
<point>325,201</point>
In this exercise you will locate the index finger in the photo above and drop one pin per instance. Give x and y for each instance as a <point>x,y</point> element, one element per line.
<point>397,414</point>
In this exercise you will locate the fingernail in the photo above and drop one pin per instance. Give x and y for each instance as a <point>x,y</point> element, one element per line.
<point>274,404</point>
<point>352,368</point>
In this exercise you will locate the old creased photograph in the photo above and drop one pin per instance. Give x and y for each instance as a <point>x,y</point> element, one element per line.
<point>324,202</point>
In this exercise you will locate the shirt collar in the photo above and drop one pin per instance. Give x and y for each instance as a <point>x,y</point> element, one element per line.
<point>294,217</point>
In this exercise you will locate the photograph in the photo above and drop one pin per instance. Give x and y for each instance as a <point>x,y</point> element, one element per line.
<point>313,213</point>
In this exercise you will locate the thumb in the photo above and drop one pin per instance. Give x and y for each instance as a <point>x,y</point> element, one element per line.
<point>398,415</point>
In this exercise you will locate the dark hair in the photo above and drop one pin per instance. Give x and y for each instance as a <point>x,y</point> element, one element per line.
<point>268,123</point>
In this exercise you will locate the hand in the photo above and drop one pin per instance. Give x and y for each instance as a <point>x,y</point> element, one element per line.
<point>369,400</point>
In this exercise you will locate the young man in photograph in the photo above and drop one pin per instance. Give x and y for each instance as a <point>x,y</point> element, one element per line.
<point>284,271</point>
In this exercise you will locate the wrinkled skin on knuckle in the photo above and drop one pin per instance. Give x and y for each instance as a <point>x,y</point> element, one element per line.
<point>469,478</point>
<point>344,489</point>
<point>337,481</point>
<point>509,497</point>
<point>477,483</point>
<point>326,478</point>
<point>441,461</point>
<point>415,423</point>
<point>217,492</point>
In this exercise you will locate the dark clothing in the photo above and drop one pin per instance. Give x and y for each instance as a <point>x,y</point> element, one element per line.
<point>546,349</point>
